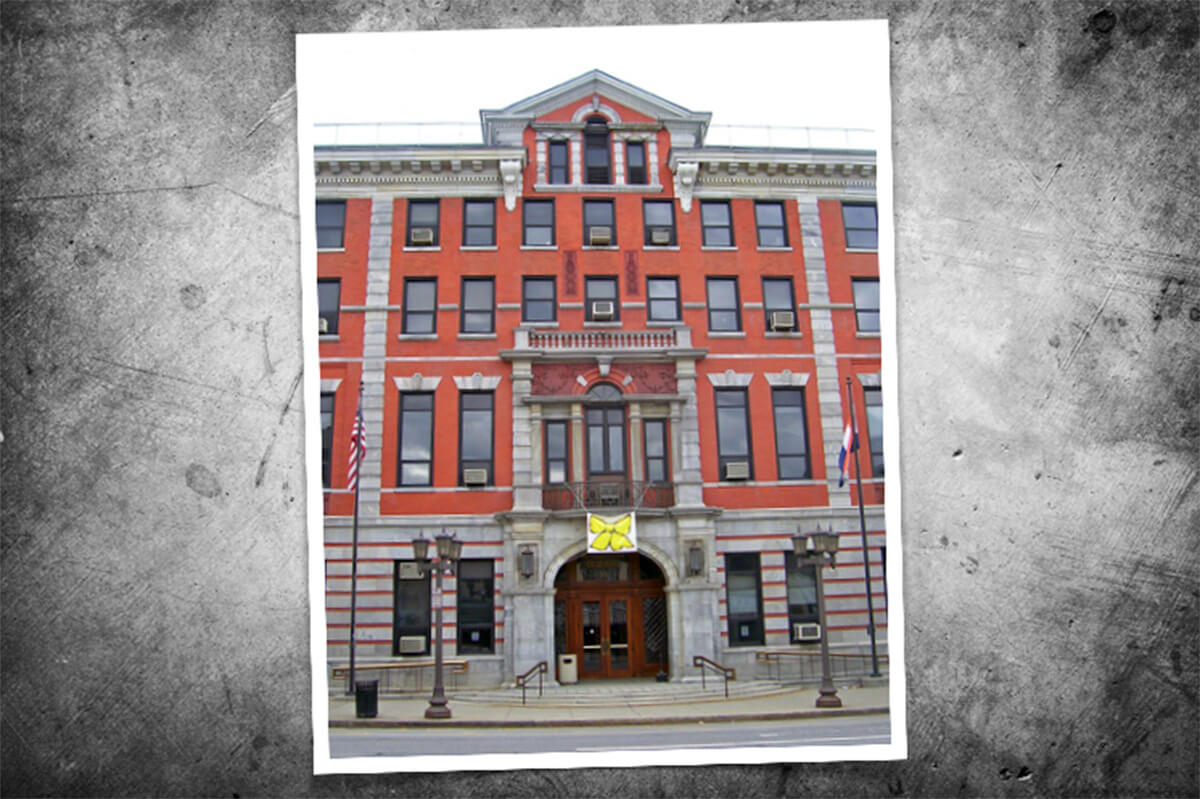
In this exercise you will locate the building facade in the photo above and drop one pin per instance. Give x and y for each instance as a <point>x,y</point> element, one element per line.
<point>592,320</point>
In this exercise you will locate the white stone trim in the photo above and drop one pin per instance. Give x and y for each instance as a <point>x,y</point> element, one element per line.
<point>476,382</point>
<point>870,380</point>
<point>417,382</point>
<point>787,378</point>
<point>330,385</point>
<point>730,379</point>
<point>596,107</point>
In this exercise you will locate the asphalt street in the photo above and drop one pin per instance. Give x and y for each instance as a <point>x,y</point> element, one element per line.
<point>845,731</point>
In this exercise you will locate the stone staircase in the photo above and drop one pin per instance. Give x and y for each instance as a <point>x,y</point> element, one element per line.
<point>600,693</point>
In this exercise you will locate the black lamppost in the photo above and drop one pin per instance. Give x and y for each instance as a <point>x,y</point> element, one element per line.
<point>817,549</point>
<point>448,550</point>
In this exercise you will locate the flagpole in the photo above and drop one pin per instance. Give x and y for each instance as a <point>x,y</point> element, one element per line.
<point>862,520</point>
<point>355,438</point>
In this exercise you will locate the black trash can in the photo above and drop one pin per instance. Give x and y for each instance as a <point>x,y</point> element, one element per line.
<point>366,699</point>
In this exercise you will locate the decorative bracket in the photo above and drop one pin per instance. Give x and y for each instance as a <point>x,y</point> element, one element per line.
<point>510,178</point>
<point>685,182</point>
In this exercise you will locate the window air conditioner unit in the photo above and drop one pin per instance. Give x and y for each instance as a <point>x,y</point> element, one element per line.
<point>475,477</point>
<point>422,235</point>
<point>599,235</point>
<point>806,631</point>
<point>783,320</point>
<point>660,235</point>
<point>602,309</point>
<point>324,324</point>
<point>412,644</point>
<point>410,571</point>
<point>737,470</point>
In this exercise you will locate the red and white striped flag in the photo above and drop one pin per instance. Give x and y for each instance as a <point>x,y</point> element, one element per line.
<point>358,447</point>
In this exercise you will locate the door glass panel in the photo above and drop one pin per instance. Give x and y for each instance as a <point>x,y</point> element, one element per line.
<point>618,635</point>
<point>591,636</point>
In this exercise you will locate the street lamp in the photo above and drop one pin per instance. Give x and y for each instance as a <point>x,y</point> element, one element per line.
<point>449,549</point>
<point>817,549</point>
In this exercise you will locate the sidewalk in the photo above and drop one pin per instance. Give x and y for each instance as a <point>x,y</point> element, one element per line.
<point>549,711</point>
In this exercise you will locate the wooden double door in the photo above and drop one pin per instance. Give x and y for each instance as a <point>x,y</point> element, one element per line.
<point>616,628</point>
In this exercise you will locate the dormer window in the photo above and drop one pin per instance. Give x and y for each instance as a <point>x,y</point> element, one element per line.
<point>595,151</point>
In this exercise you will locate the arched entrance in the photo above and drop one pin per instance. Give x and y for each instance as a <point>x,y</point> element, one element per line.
<point>610,611</point>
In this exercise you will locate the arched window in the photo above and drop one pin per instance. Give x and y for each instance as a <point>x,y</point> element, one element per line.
<point>605,418</point>
<point>596,151</point>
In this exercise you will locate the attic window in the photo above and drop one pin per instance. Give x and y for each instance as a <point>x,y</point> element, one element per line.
<point>595,146</point>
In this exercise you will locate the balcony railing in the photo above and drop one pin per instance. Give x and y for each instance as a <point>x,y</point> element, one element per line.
<point>572,341</point>
<point>620,494</point>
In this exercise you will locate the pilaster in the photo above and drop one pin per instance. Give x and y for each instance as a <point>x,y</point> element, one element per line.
<point>379,255</point>
<point>829,395</point>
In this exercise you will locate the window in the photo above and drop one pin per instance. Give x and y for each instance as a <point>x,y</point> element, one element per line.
<point>420,305</point>
<point>331,224</point>
<point>539,223</point>
<point>478,305</point>
<point>598,223</point>
<point>655,432</point>
<point>791,440</point>
<point>723,309</point>
<point>769,219</point>
<point>605,431</point>
<point>558,162</point>
<point>476,606</point>
<point>862,226</point>
<point>866,304</point>
<point>658,219</point>
<point>600,299</point>
<point>556,452</point>
<point>415,467</point>
<point>422,223</point>
<point>777,298</point>
<point>479,223</point>
<point>801,595</point>
<point>475,433</point>
<point>537,300</point>
<point>411,617</point>
<point>328,298</point>
<point>662,299</point>
<point>635,159</point>
<point>743,599</point>
<point>873,399</point>
<point>595,150</point>
<point>716,224</point>
<point>733,431</point>
<point>326,436</point>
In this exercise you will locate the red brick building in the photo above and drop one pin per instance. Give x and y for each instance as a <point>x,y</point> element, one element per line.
<point>593,312</point>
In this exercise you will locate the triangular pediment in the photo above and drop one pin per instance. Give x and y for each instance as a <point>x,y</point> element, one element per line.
<point>504,126</point>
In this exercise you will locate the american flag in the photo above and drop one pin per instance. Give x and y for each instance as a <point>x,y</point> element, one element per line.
<point>358,446</point>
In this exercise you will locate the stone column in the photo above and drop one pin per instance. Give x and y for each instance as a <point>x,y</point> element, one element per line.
<point>526,465</point>
<point>635,442</point>
<point>688,485</point>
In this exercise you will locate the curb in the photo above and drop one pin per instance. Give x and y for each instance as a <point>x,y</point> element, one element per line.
<point>608,722</point>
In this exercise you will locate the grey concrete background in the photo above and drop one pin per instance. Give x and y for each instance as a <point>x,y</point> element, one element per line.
<point>154,629</point>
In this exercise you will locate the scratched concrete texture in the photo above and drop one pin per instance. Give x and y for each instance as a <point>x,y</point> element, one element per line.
<point>154,617</point>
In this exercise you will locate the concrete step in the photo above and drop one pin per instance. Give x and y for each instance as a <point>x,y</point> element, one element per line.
<point>602,695</point>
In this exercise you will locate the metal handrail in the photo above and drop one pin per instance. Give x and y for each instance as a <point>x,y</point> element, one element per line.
<point>703,663</point>
<point>523,679</point>
<point>452,667</point>
<point>845,659</point>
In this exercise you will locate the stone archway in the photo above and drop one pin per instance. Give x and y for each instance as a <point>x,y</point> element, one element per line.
<point>611,612</point>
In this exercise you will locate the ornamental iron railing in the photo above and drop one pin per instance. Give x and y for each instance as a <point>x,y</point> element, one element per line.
<point>610,494</point>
